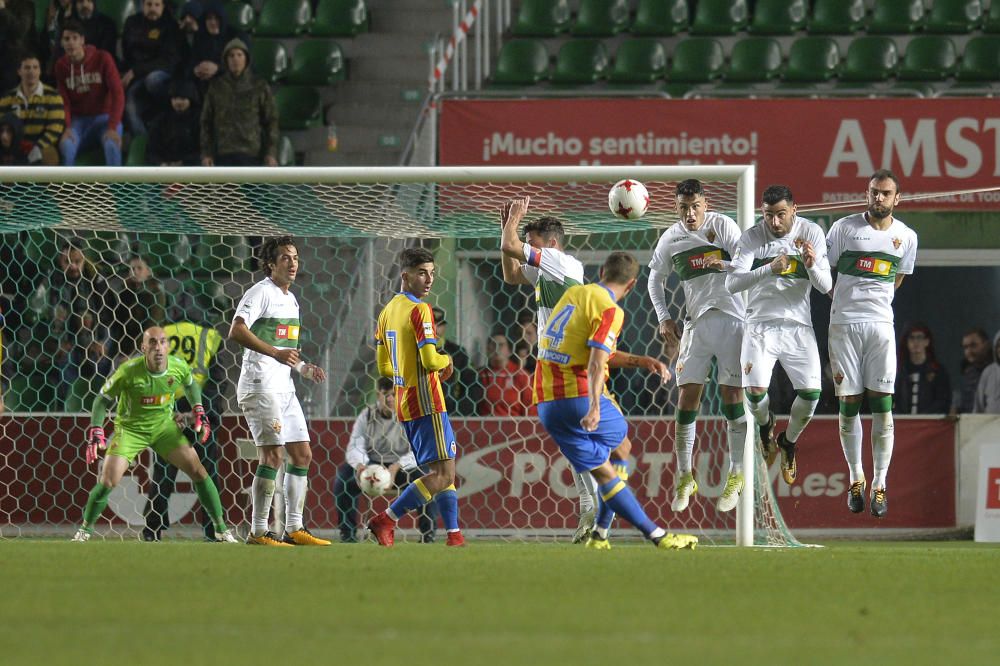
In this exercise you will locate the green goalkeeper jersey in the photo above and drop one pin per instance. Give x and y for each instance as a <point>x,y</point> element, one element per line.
<point>145,399</point>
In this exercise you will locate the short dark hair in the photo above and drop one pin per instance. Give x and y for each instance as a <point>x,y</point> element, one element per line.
<point>72,25</point>
<point>776,194</point>
<point>690,188</point>
<point>883,174</point>
<point>27,55</point>
<point>977,331</point>
<point>547,227</point>
<point>384,384</point>
<point>412,257</point>
<point>268,253</point>
<point>619,268</point>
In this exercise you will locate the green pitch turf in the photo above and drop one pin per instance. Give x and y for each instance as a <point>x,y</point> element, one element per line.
<point>495,603</point>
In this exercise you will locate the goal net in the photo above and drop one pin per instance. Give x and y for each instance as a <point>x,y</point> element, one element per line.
<point>94,256</point>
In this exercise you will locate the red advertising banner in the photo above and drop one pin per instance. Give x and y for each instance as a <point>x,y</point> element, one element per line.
<point>511,476</point>
<point>824,149</point>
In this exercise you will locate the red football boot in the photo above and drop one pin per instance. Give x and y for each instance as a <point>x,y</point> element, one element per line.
<point>384,529</point>
<point>455,539</point>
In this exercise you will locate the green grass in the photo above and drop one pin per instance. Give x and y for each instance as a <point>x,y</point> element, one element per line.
<point>495,603</point>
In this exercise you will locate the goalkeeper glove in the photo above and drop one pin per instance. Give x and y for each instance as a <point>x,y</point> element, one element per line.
<point>95,441</point>
<point>201,425</point>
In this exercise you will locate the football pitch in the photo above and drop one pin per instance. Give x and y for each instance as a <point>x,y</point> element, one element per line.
<point>497,603</point>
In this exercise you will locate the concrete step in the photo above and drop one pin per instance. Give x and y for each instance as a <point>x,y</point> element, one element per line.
<point>375,92</point>
<point>390,69</point>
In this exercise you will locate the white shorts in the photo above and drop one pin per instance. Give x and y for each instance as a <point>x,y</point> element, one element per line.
<point>714,334</point>
<point>863,356</point>
<point>274,418</point>
<point>788,342</point>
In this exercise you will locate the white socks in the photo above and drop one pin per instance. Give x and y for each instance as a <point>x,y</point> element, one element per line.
<point>883,437</point>
<point>760,409</point>
<point>801,412</point>
<point>736,429</point>
<point>295,499</point>
<point>850,441</point>
<point>263,491</point>
<point>586,486</point>
<point>684,445</point>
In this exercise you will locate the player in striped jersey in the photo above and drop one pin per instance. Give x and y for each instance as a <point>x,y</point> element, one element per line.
<point>574,404</point>
<point>872,252</point>
<point>405,344</point>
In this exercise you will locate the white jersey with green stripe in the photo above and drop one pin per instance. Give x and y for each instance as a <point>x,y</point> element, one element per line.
<point>867,261</point>
<point>552,272</point>
<point>685,252</point>
<point>273,316</point>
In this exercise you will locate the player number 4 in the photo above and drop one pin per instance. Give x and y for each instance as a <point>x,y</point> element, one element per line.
<point>554,332</point>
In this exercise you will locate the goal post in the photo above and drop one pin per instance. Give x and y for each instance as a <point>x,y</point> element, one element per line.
<point>195,230</point>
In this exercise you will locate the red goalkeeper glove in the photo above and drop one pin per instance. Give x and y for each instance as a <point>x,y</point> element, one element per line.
<point>201,426</point>
<point>95,441</point>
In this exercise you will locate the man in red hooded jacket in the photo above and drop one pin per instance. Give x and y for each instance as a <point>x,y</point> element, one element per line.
<point>94,100</point>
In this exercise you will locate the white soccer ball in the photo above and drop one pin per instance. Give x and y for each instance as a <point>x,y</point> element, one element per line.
<point>628,199</point>
<point>375,480</point>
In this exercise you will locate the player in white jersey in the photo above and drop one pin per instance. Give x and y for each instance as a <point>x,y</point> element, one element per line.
<point>777,262</point>
<point>540,261</point>
<point>267,325</point>
<point>697,247</point>
<point>872,253</point>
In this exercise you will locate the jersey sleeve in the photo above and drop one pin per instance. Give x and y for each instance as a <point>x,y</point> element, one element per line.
<point>742,255</point>
<point>251,306</point>
<point>606,328</point>
<point>660,261</point>
<point>422,320</point>
<point>186,376</point>
<point>833,244</point>
<point>818,240</point>
<point>554,264</point>
<point>729,235</point>
<point>115,384</point>
<point>909,259</point>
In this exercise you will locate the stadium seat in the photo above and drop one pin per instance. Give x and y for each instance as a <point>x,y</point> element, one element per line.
<point>870,58</point>
<point>542,18</point>
<point>661,17</point>
<point>137,151</point>
<point>639,60</point>
<point>284,18</point>
<point>837,17</point>
<point>340,18</point>
<point>719,17</point>
<point>240,15</point>
<point>580,62</point>
<point>299,107</point>
<point>116,10</point>
<point>929,58</point>
<point>980,60</point>
<point>697,60</point>
<point>269,58</point>
<point>286,152</point>
<point>992,21</point>
<point>812,59</point>
<point>601,18</point>
<point>896,17</point>
<point>954,16</point>
<point>779,17</point>
<point>317,62</point>
<point>522,62</point>
<point>754,60</point>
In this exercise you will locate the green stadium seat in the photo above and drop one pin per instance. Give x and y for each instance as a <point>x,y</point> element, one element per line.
<point>870,58</point>
<point>340,18</point>
<point>542,18</point>
<point>116,10</point>
<point>601,18</point>
<point>137,151</point>
<point>992,21</point>
<point>580,62</point>
<point>317,62</point>
<point>812,59</point>
<point>286,152</point>
<point>41,14</point>
<point>299,107</point>
<point>837,17</point>
<point>639,60</point>
<point>240,15</point>
<point>980,60</point>
<point>522,62</point>
<point>269,58</point>
<point>896,17</point>
<point>284,18</point>
<point>661,17</point>
<point>720,17</point>
<point>779,17</point>
<point>754,60</point>
<point>954,16</point>
<point>697,60</point>
<point>929,58</point>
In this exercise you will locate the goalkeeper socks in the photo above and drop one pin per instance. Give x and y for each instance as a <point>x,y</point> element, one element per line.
<point>621,500</point>
<point>415,495</point>
<point>97,501</point>
<point>850,438</point>
<point>447,504</point>
<point>803,408</point>
<point>684,430</point>
<point>263,492</point>
<point>760,405</point>
<point>586,486</point>
<point>736,431</point>
<point>208,495</point>
<point>883,438</point>
<point>295,496</point>
<point>605,516</point>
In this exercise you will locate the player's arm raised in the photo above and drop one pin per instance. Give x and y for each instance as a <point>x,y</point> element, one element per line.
<point>622,359</point>
<point>511,247</point>
<point>240,333</point>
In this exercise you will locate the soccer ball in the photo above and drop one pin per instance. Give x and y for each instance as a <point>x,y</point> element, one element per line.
<point>628,199</point>
<point>375,480</point>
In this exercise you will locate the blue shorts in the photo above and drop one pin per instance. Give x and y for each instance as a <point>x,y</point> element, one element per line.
<point>584,450</point>
<point>431,438</point>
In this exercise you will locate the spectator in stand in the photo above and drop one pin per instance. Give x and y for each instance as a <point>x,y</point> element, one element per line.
<point>17,34</point>
<point>205,57</point>
<point>922,384</point>
<point>11,131</point>
<point>506,387</point>
<point>976,349</point>
<point>173,135</point>
<point>988,391</point>
<point>93,99</point>
<point>98,28</point>
<point>239,121</point>
<point>141,305</point>
<point>81,289</point>
<point>525,356</point>
<point>58,12</point>
<point>459,389</point>
<point>151,51</point>
<point>40,110</point>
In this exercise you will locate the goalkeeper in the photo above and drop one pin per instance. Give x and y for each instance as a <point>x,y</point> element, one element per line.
<point>144,388</point>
